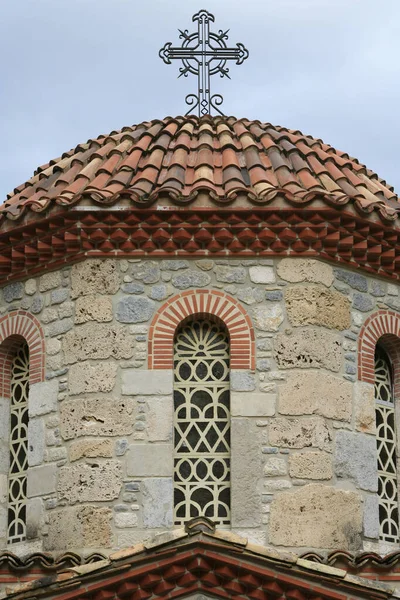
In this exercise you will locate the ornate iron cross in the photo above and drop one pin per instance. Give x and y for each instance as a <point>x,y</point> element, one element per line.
<point>204,54</point>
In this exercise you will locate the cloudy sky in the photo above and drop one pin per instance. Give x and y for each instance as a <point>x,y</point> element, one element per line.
<point>73,69</point>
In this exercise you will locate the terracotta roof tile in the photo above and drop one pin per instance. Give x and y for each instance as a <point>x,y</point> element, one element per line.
<point>177,157</point>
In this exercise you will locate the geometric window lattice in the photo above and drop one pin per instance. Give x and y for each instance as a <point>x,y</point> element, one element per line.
<point>386,449</point>
<point>17,479</point>
<point>201,423</point>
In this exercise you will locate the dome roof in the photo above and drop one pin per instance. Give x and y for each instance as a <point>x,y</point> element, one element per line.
<point>173,159</point>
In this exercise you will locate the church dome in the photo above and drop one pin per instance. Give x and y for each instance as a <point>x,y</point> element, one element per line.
<point>235,161</point>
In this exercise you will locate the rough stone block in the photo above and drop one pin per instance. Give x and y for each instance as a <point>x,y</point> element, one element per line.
<point>316,392</point>
<point>43,398</point>
<point>315,305</point>
<point>310,465</point>
<point>364,407</point>
<point>306,432</point>
<point>125,519</point>
<point>228,274</point>
<point>174,265</point>
<point>262,274</point>
<point>250,295</point>
<point>96,417</point>
<point>355,459</point>
<point>13,291</point>
<point>275,467</point>
<point>354,280</point>
<point>94,276</point>
<point>59,296</point>
<point>95,482</point>
<point>252,405</point>
<point>34,517</point>
<point>148,460</point>
<point>84,377</point>
<point>190,279</point>
<point>37,304</point>
<point>205,264</point>
<point>242,381</point>
<point>59,327</point>
<point>305,518</point>
<point>159,418</point>
<point>133,288</point>
<point>97,341</point>
<point>296,270</point>
<point>160,292</point>
<point>135,309</point>
<point>267,317</point>
<point>363,302</point>
<point>49,281</point>
<point>147,271</point>
<point>41,481</point>
<point>30,287</point>
<point>79,527</point>
<point>90,449</point>
<point>147,383</point>
<point>93,308</point>
<point>303,349</point>
<point>158,502</point>
<point>246,469</point>
<point>36,439</point>
<point>371,516</point>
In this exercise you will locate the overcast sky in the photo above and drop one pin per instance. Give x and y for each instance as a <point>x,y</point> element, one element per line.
<point>75,69</point>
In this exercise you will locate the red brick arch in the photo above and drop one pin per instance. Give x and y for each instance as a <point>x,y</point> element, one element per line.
<point>16,327</point>
<point>201,303</point>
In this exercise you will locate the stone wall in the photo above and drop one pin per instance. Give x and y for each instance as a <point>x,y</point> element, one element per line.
<point>100,431</point>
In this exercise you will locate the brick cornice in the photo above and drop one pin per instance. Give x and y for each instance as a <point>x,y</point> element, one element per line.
<point>382,326</point>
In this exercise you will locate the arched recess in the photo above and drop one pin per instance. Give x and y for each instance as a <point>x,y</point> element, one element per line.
<point>201,303</point>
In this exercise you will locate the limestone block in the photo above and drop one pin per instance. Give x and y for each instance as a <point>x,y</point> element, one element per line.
<point>309,348</point>
<point>316,516</point>
<point>53,346</point>
<point>94,276</point>
<point>95,482</point>
<point>262,274</point>
<point>310,465</point>
<point>246,470</point>
<point>252,405</point>
<point>135,309</point>
<point>242,381</point>
<point>205,264</point>
<point>228,274</point>
<point>296,270</point>
<point>147,383</point>
<point>36,440</point>
<point>315,305</point>
<point>158,502</point>
<point>93,308</point>
<point>275,467</point>
<point>41,480</point>
<point>316,392</point>
<point>84,377</point>
<point>125,519</point>
<point>79,527</point>
<point>96,417</point>
<point>97,341</point>
<point>371,516</point>
<point>355,459</point>
<point>90,449</point>
<point>43,398</point>
<point>49,281</point>
<point>159,418</point>
<point>34,517</point>
<point>147,271</point>
<point>299,433</point>
<point>354,280</point>
<point>148,460</point>
<point>190,279</point>
<point>267,317</point>
<point>364,407</point>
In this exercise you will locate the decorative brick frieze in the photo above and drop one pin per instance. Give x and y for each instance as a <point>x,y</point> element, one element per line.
<point>201,303</point>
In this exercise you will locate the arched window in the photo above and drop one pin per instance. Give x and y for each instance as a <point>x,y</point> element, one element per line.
<point>17,479</point>
<point>386,447</point>
<point>201,422</point>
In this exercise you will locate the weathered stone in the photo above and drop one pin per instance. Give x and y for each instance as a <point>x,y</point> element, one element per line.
<point>392,289</point>
<point>296,270</point>
<point>377,288</point>
<point>355,459</point>
<point>49,281</point>
<point>316,392</point>
<point>371,516</point>
<point>93,308</point>
<point>159,418</point>
<point>227,274</point>
<point>308,348</point>
<point>97,341</point>
<point>299,433</point>
<point>35,442</point>
<point>205,264</point>
<point>59,296</point>
<point>121,446</point>
<point>34,517</point>
<point>37,304</point>
<point>159,292</point>
<point>147,383</point>
<point>242,381</point>
<point>66,309</point>
<point>84,377</point>
<point>43,398</point>
<point>94,276</point>
<point>273,295</point>
<point>90,449</point>
<point>310,465</point>
<point>41,480</point>
<point>252,405</point>
<point>56,454</point>
<point>315,305</point>
<point>363,302</point>
<point>157,496</point>
<point>250,295</point>
<point>277,485</point>
<point>263,364</point>
<point>96,482</point>
<point>364,407</point>
<point>316,516</point>
<point>146,271</point>
<point>246,469</point>
<point>49,315</point>
<point>147,460</point>
<point>262,274</point>
<point>126,519</point>
<point>30,287</point>
<point>96,417</point>
<point>173,265</point>
<point>264,344</point>
<point>275,467</point>
<point>268,317</point>
<point>135,310</point>
<point>354,280</point>
<point>59,327</point>
<point>13,291</point>
<point>79,527</point>
<point>191,279</point>
<point>133,288</point>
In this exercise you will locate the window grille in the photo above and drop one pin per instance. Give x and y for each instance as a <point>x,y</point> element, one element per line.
<point>18,446</point>
<point>386,449</point>
<point>201,423</point>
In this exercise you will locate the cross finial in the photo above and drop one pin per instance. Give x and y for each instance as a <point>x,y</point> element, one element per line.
<point>203,53</point>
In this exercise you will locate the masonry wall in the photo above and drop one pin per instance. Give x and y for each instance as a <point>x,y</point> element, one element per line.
<point>100,431</point>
